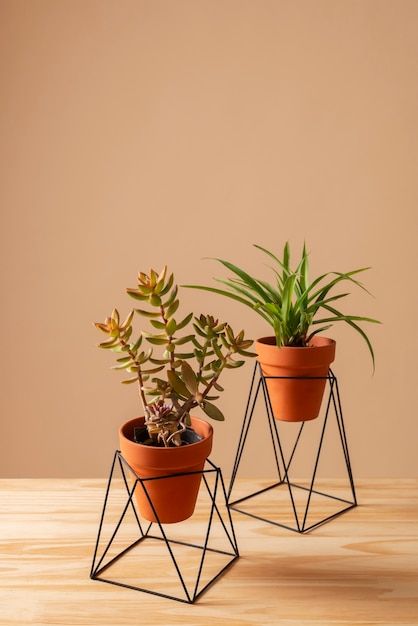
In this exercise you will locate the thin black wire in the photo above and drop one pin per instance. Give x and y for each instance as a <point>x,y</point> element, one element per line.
<point>335,401</point>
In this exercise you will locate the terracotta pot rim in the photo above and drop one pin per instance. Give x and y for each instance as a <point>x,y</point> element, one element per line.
<point>317,342</point>
<point>315,358</point>
<point>158,458</point>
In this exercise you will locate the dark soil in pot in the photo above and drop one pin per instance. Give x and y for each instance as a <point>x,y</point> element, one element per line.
<point>188,436</point>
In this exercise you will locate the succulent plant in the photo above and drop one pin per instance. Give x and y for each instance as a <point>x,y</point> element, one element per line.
<point>192,353</point>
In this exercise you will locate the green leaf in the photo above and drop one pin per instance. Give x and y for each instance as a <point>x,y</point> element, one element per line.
<point>153,370</point>
<point>199,331</point>
<point>177,384</point>
<point>134,293</point>
<point>127,321</point>
<point>137,344</point>
<point>246,353</point>
<point>112,343</point>
<point>286,257</point>
<point>349,319</point>
<point>104,328</point>
<point>184,355</point>
<point>182,340</point>
<point>153,277</point>
<point>189,378</point>
<point>123,366</point>
<point>304,270</point>
<point>235,364</point>
<point>158,325</point>
<point>171,297</point>
<point>127,334</point>
<point>163,291</point>
<point>171,327</point>
<point>218,351</point>
<point>144,357</point>
<point>159,361</point>
<point>199,355</point>
<point>151,314</point>
<point>212,411</point>
<point>129,381</point>
<point>246,279</point>
<point>185,321</point>
<point>172,308</point>
<point>158,340</point>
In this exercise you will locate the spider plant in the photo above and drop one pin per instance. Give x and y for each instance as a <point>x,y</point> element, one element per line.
<point>296,307</point>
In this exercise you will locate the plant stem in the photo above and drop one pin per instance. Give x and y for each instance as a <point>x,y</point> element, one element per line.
<point>141,392</point>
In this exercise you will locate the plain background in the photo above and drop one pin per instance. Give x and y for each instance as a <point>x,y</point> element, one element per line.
<point>139,133</point>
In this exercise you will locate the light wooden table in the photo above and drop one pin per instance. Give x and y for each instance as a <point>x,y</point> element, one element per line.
<point>361,568</point>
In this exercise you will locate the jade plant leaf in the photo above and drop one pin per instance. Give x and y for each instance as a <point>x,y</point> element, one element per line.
<point>213,412</point>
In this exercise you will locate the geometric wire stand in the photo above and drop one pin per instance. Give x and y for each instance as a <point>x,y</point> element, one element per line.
<point>299,498</point>
<point>137,554</point>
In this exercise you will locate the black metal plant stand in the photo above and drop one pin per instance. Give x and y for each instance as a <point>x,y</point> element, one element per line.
<point>297,493</point>
<point>125,544</point>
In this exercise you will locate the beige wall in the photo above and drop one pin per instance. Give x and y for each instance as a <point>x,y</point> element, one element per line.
<point>137,133</point>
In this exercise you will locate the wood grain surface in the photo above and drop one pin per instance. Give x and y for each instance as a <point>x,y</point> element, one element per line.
<point>360,568</point>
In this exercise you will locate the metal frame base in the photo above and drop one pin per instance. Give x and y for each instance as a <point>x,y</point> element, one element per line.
<point>208,557</point>
<point>308,492</point>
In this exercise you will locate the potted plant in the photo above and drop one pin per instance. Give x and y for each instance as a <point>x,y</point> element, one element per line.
<point>295,360</point>
<point>183,375</point>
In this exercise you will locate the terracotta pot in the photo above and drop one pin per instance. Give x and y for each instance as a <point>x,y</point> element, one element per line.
<point>295,400</point>
<point>174,498</point>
